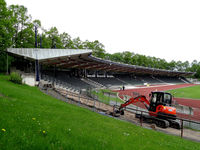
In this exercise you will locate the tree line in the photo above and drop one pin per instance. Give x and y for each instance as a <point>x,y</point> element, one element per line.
<point>17,30</point>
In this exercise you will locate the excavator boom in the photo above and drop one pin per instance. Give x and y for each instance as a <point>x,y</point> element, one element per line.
<point>132,100</point>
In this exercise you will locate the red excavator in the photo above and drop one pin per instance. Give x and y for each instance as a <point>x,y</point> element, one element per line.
<point>160,110</point>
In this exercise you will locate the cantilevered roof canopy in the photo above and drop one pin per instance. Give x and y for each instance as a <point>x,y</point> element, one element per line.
<point>42,54</point>
<point>121,67</point>
<point>82,59</point>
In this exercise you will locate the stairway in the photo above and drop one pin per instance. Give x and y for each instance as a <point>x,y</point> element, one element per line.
<point>92,83</point>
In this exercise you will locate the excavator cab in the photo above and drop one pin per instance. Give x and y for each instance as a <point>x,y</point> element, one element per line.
<point>159,98</point>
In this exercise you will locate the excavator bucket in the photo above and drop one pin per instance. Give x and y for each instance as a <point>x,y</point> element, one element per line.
<point>116,111</point>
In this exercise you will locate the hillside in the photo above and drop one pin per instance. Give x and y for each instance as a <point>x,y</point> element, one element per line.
<point>32,120</point>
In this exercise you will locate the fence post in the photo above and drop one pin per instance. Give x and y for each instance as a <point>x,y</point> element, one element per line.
<point>86,101</point>
<point>94,103</point>
<point>99,105</point>
<point>66,98</point>
<point>113,111</point>
<point>190,109</point>
<point>109,98</point>
<point>79,97</point>
<point>141,118</point>
<point>116,101</point>
<point>181,128</point>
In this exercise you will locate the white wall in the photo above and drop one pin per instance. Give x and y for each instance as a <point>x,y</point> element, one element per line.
<point>28,79</point>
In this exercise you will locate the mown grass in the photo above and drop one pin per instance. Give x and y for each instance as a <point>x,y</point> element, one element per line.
<point>108,91</point>
<point>105,96</point>
<point>33,121</point>
<point>192,92</point>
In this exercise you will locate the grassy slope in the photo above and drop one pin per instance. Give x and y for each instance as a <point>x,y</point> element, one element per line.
<point>68,126</point>
<point>188,92</point>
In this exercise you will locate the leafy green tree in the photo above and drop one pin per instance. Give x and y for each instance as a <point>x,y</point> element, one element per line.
<point>6,33</point>
<point>6,26</point>
<point>172,65</point>
<point>127,57</point>
<point>53,37</point>
<point>22,25</point>
<point>46,41</point>
<point>195,67</point>
<point>77,43</point>
<point>185,65</point>
<point>117,57</point>
<point>66,40</point>
<point>96,46</point>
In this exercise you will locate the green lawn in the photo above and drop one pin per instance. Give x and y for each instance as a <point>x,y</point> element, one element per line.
<point>106,99</point>
<point>188,92</point>
<point>31,120</point>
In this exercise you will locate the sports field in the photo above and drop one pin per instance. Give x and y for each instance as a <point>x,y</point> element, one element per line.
<point>32,120</point>
<point>192,92</point>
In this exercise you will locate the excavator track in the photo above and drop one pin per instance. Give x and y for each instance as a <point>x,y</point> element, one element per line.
<point>174,124</point>
<point>149,119</point>
<point>159,122</point>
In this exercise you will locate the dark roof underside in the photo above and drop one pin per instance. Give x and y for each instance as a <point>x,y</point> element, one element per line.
<point>84,60</point>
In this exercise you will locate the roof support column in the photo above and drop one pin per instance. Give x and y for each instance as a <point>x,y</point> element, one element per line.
<point>85,73</point>
<point>95,74</point>
<point>37,73</point>
<point>37,70</point>
<point>54,73</point>
<point>41,71</point>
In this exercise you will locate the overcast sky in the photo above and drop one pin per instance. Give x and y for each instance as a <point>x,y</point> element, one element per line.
<point>168,29</point>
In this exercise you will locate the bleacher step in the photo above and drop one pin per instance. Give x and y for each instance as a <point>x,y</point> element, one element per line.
<point>93,83</point>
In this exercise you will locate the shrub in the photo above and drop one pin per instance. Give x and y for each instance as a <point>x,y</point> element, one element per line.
<point>15,78</point>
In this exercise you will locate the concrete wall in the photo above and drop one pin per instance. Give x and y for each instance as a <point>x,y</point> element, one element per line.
<point>184,109</point>
<point>191,125</point>
<point>28,79</point>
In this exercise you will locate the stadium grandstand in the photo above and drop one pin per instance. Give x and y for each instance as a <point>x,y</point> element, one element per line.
<point>77,69</point>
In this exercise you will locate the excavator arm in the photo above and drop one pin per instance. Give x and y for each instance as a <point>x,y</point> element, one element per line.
<point>132,100</point>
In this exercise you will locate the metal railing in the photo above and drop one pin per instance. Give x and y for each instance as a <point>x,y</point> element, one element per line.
<point>181,120</point>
